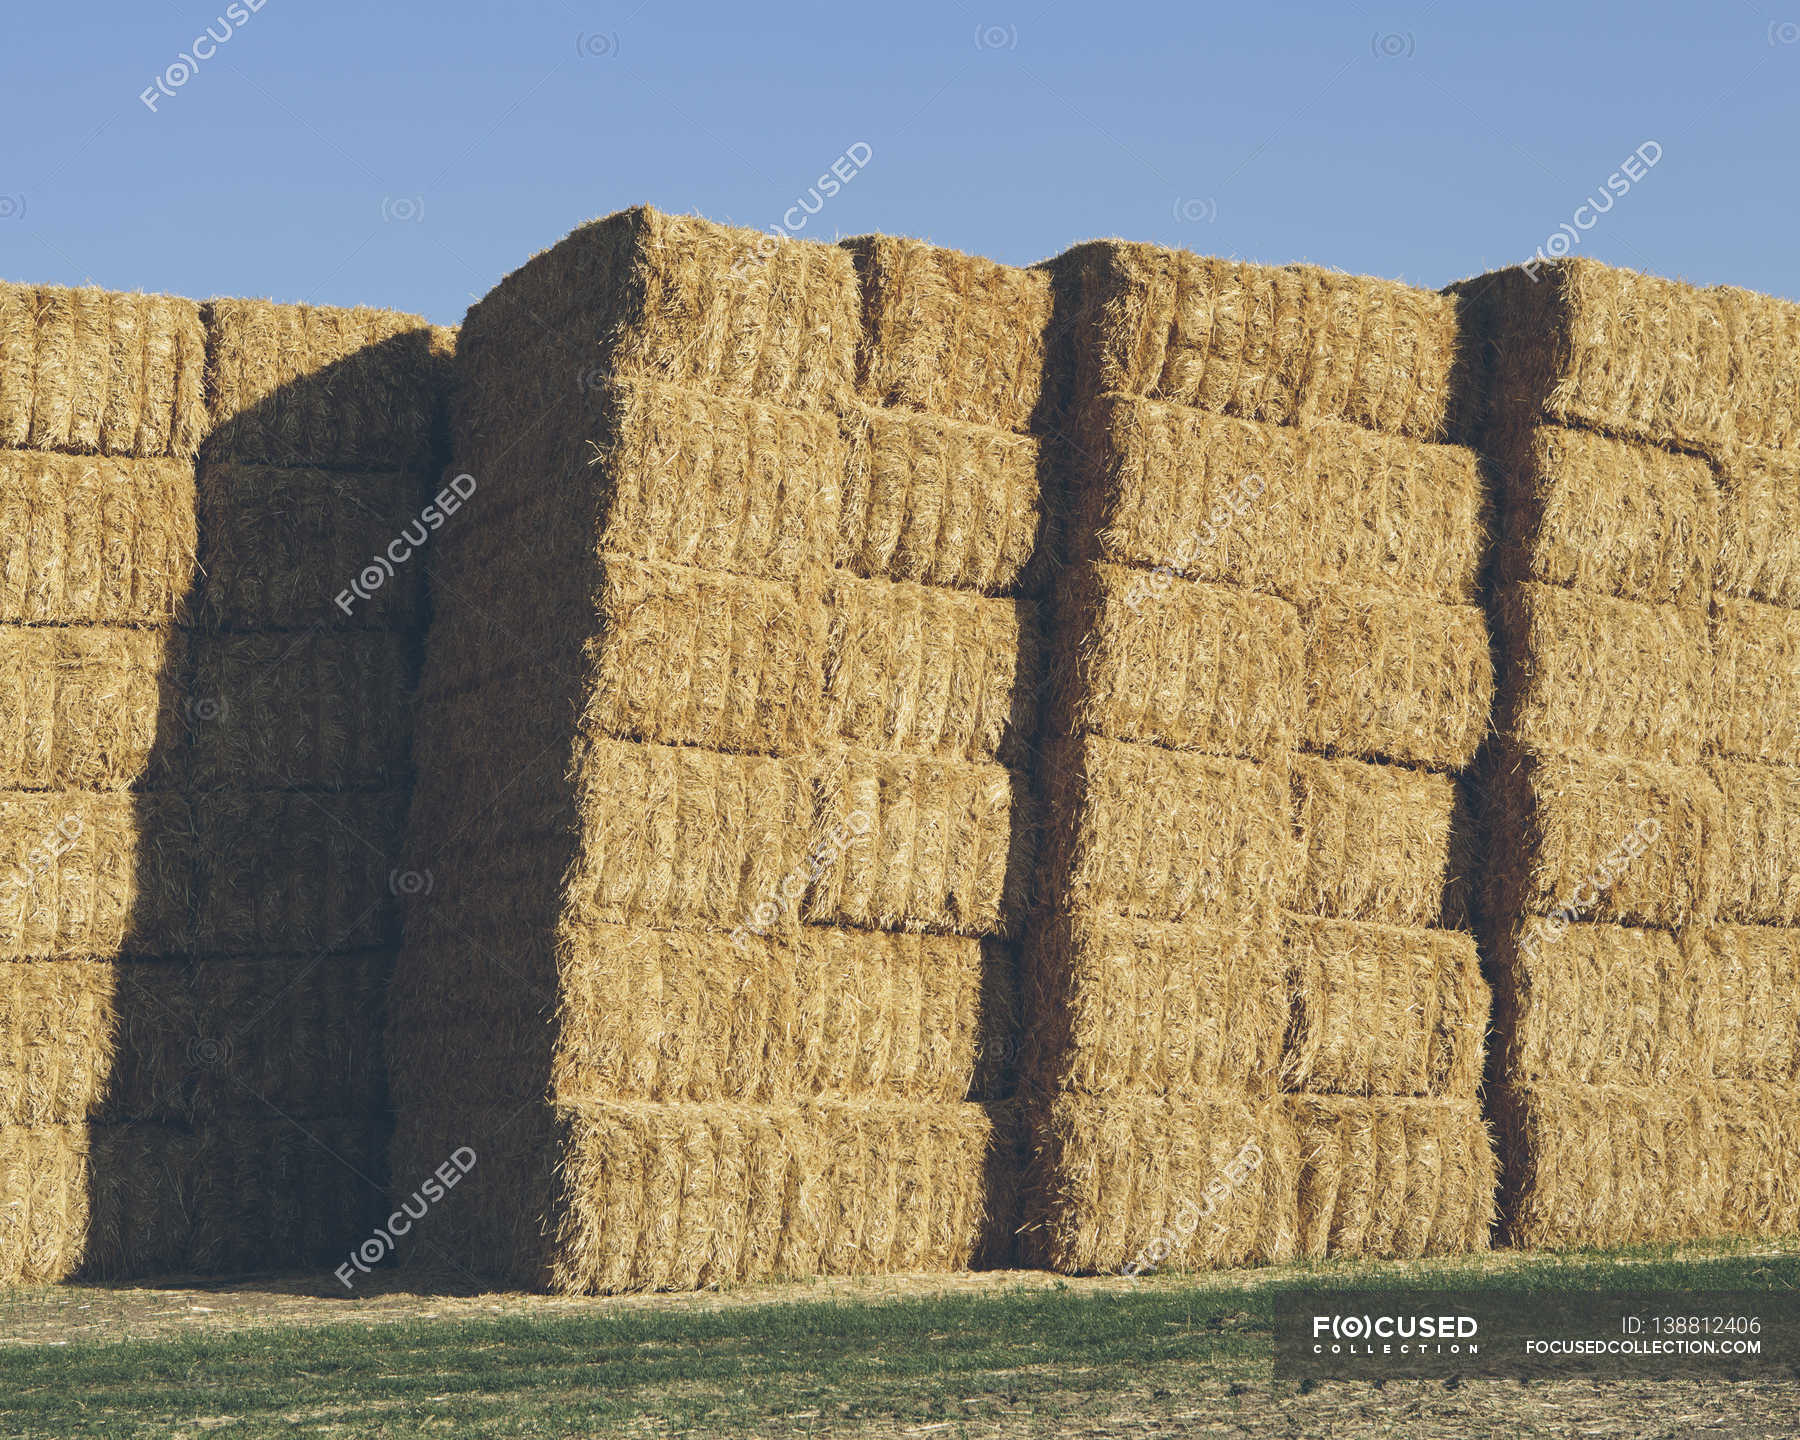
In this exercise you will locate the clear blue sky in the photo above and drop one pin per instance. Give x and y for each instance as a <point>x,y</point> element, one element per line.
<point>410,154</point>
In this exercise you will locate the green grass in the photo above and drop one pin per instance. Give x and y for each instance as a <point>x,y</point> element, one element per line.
<point>794,1367</point>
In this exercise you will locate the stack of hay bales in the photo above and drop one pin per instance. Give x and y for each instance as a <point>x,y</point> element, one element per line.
<point>1257,1013</point>
<point>1644,805</point>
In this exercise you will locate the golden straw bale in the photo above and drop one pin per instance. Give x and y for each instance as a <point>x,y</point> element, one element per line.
<point>57,1034</point>
<point>90,540</point>
<point>1756,649</point>
<point>1120,1004</point>
<point>928,845</point>
<point>1760,842</point>
<point>1145,1182</point>
<point>930,671</point>
<point>95,371</point>
<point>942,503</point>
<point>1759,1131</point>
<point>953,334</point>
<point>1380,1010</point>
<point>1378,841</point>
<point>89,707</point>
<point>1587,672</point>
<point>1759,510</point>
<point>45,1174</point>
<point>1749,990</point>
<point>1396,678</point>
<point>1392,1178</point>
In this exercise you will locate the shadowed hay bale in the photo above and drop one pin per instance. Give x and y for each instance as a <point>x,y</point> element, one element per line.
<point>89,874</point>
<point>1139,1181</point>
<point>931,671</point>
<point>1278,508</point>
<point>279,545</point>
<point>1586,672</point>
<point>1760,841</point>
<point>1189,665</point>
<point>1759,525</point>
<point>1597,514</point>
<point>1392,1178</point>
<point>941,503</point>
<point>1756,649</point>
<point>1162,835</point>
<point>1564,827</point>
<point>321,385</point>
<point>1396,678</point>
<point>1118,1005</point>
<point>88,708</point>
<point>90,540</point>
<point>953,334</point>
<point>1292,345</point>
<point>92,370</point>
<point>1376,841</point>
<point>934,845</point>
<point>1379,1010</point>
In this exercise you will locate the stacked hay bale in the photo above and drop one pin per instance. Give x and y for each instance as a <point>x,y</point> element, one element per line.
<point>1644,807</point>
<point>1258,1018</point>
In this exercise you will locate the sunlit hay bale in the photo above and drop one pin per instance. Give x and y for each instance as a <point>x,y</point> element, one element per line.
<point>1289,345</point>
<point>1140,1182</point>
<point>90,707</point>
<point>1136,830</point>
<point>1275,507</point>
<point>1748,988</point>
<point>1392,1178</point>
<point>1121,1005</point>
<point>941,503</point>
<point>57,1036</point>
<point>1759,541</point>
<point>1377,841</point>
<point>1759,1130</point>
<point>96,372</point>
<point>1756,651</point>
<point>1586,672</point>
<point>45,1173</point>
<point>932,845</point>
<point>1189,665</point>
<point>955,335</point>
<point>1378,1010</point>
<point>1394,678</point>
<point>1592,837</point>
<point>930,671</point>
<point>1760,842</point>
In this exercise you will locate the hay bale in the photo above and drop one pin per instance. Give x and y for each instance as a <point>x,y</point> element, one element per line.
<point>56,1041</point>
<point>1749,990</point>
<point>930,671</point>
<point>1395,678</point>
<point>1759,1127</point>
<point>93,540</point>
<point>1756,653</point>
<point>1759,841</point>
<point>1759,527</point>
<point>955,335</point>
<point>97,372</point>
<point>941,503</point>
<point>1377,841</point>
<point>1586,672</point>
<point>935,845</point>
<point>1380,1010</point>
<point>1292,345</point>
<point>1392,1178</point>
<point>45,1173</point>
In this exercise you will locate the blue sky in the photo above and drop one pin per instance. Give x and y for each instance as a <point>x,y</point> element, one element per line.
<point>409,155</point>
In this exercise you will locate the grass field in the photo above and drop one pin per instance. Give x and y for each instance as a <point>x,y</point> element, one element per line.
<point>1002,1355</point>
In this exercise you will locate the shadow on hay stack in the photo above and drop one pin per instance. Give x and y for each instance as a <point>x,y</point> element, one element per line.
<point>1644,808</point>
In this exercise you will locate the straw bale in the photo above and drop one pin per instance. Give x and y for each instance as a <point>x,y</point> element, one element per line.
<point>1602,515</point>
<point>92,540</point>
<point>321,385</point>
<point>1759,1127</point>
<point>1292,345</point>
<point>1378,841</point>
<point>1586,672</point>
<point>56,1040</point>
<point>1161,835</point>
<point>955,335</point>
<point>1759,527</point>
<point>89,708</point>
<point>1748,988</point>
<point>1756,649</point>
<point>1760,843</point>
<point>1001,1045</point>
<point>1380,1010</point>
<point>1396,678</point>
<point>930,671</point>
<point>1117,1005</point>
<point>1193,666</point>
<point>942,503</point>
<point>44,1174</point>
<point>1189,1183</point>
<point>1593,837</point>
<point>1392,1178</point>
<point>1279,508</point>
<point>933,845</point>
<point>96,371</point>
